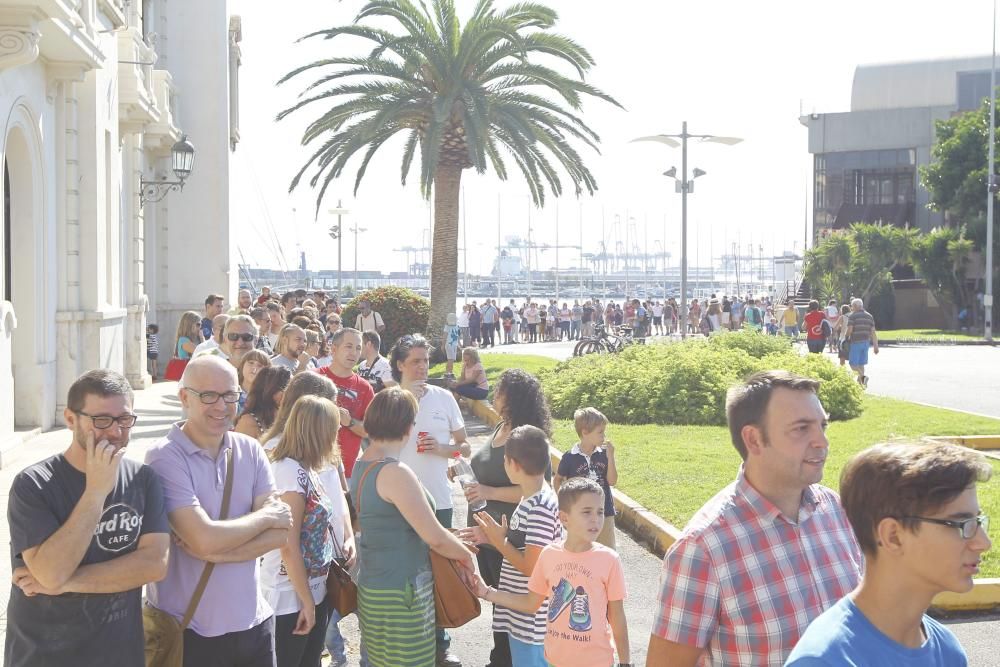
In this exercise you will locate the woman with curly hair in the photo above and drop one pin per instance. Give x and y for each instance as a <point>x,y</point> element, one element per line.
<point>519,401</point>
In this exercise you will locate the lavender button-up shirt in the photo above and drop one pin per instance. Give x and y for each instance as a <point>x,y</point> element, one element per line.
<point>191,478</point>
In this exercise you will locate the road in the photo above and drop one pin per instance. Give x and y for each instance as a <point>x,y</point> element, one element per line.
<point>158,408</point>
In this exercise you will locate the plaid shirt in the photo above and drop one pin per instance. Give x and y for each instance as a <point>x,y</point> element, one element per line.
<point>744,581</point>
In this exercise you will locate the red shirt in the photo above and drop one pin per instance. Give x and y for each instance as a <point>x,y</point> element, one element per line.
<point>814,324</point>
<point>354,394</point>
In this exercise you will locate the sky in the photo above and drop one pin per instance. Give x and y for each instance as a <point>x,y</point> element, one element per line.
<point>727,68</point>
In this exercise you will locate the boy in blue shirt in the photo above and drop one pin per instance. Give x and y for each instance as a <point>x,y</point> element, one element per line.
<point>915,512</point>
<point>592,457</point>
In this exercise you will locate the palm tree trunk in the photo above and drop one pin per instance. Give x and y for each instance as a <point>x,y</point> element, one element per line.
<point>444,258</point>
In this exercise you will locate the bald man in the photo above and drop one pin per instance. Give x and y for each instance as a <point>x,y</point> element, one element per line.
<point>233,623</point>
<point>213,343</point>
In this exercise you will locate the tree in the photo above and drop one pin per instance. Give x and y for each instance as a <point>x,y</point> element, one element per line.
<point>464,96</point>
<point>941,258</point>
<point>859,261</point>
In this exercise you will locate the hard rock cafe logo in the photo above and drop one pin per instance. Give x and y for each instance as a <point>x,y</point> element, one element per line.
<point>118,528</point>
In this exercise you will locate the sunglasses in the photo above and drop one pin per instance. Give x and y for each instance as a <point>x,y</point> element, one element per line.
<point>246,338</point>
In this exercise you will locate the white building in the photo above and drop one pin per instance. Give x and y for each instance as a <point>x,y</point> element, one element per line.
<point>93,95</point>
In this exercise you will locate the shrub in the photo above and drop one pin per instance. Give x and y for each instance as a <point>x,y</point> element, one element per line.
<point>686,383</point>
<point>403,311</point>
<point>752,342</point>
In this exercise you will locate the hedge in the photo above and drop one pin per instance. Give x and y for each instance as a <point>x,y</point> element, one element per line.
<point>403,312</point>
<point>686,382</point>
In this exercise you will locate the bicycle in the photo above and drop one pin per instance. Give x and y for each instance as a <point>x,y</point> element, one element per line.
<point>603,342</point>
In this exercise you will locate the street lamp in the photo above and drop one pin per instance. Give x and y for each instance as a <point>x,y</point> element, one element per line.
<point>992,187</point>
<point>356,231</point>
<point>181,161</point>
<point>685,186</point>
<point>336,233</point>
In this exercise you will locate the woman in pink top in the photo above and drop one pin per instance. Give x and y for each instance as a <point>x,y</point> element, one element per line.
<point>472,382</point>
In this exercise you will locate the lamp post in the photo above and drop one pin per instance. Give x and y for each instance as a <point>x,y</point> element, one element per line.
<point>337,234</point>
<point>181,161</point>
<point>356,231</point>
<point>685,186</point>
<point>992,187</point>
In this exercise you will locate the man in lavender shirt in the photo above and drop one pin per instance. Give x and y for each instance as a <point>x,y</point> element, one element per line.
<point>233,625</point>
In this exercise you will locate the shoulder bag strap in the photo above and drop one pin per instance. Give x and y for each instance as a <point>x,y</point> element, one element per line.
<point>227,494</point>
<point>361,484</point>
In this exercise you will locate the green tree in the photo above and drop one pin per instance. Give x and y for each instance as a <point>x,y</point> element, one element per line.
<point>463,96</point>
<point>941,258</point>
<point>859,261</point>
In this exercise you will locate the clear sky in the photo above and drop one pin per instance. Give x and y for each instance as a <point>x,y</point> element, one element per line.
<point>728,68</point>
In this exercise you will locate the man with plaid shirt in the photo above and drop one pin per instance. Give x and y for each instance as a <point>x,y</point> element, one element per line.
<point>771,551</point>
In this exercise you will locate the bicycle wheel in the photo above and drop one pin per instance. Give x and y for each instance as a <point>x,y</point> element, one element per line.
<point>578,348</point>
<point>592,347</point>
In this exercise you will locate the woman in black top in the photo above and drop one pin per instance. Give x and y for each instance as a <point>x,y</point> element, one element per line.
<point>519,400</point>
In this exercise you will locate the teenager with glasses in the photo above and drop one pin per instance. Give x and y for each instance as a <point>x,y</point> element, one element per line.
<point>88,529</point>
<point>915,512</point>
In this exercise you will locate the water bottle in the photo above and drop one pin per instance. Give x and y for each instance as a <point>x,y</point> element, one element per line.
<point>465,477</point>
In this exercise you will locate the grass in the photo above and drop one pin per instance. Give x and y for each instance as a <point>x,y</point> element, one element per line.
<point>934,335</point>
<point>495,364</point>
<point>655,462</point>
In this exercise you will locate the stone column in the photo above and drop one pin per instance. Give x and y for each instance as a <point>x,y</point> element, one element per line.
<point>137,302</point>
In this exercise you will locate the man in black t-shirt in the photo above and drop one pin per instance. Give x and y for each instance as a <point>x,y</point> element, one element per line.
<point>87,529</point>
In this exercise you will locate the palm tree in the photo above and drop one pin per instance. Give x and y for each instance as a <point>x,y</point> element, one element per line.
<point>464,96</point>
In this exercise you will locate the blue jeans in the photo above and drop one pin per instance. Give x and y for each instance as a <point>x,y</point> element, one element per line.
<point>334,641</point>
<point>526,655</point>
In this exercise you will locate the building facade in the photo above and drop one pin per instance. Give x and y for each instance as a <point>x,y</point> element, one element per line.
<point>93,95</point>
<point>866,161</point>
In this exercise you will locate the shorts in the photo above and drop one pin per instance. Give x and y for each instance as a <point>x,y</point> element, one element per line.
<point>859,354</point>
<point>153,355</point>
<point>657,321</point>
<point>816,345</point>
<point>451,351</point>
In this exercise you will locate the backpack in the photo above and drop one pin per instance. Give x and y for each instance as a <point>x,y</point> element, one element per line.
<point>826,329</point>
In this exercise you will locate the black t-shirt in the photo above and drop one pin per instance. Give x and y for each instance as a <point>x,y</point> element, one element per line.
<point>79,628</point>
<point>576,465</point>
<point>588,314</point>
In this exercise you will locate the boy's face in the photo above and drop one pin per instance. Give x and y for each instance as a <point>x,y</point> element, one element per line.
<point>514,471</point>
<point>585,518</point>
<point>938,556</point>
<point>592,439</point>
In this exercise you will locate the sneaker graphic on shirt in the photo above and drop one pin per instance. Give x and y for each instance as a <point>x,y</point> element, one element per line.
<point>562,595</point>
<point>579,615</point>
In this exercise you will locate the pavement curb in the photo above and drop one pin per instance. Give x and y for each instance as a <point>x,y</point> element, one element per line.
<point>657,535</point>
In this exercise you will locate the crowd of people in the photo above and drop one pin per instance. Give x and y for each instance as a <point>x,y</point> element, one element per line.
<point>284,466</point>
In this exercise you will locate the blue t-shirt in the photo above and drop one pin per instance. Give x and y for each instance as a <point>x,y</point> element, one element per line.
<point>843,637</point>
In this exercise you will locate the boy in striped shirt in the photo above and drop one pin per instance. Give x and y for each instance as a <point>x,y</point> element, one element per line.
<point>534,526</point>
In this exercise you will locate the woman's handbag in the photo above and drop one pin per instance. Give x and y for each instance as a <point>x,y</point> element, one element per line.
<point>164,635</point>
<point>175,369</point>
<point>455,604</point>
<point>341,591</point>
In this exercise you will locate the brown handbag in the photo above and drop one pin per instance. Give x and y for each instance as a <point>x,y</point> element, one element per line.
<point>455,604</point>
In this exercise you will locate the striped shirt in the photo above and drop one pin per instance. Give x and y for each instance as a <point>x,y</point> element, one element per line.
<point>535,523</point>
<point>152,343</point>
<point>744,581</point>
<point>863,324</point>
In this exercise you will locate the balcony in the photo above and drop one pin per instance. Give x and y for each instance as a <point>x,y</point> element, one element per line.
<point>162,133</point>
<point>54,30</point>
<point>136,100</point>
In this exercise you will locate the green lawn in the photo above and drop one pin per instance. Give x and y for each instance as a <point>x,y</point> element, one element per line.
<point>673,470</point>
<point>495,364</point>
<point>935,335</point>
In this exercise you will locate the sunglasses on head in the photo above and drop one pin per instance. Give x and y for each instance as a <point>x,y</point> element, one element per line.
<point>246,338</point>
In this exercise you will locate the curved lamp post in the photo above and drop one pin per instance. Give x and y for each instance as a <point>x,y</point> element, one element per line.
<point>182,162</point>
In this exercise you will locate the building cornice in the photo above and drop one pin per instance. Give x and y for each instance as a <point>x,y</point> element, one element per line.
<point>19,39</point>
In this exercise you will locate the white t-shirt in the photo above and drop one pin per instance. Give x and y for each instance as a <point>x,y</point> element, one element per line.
<point>832,312</point>
<point>657,310</point>
<point>380,369</point>
<point>205,346</point>
<point>370,323</point>
<point>275,585</point>
<point>438,415</point>
<point>463,318</point>
<point>282,360</point>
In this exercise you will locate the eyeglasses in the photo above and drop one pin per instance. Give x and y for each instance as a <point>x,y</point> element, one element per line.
<point>212,397</point>
<point>966,527</point>
<point>105,421</point>
<point>246,338</point>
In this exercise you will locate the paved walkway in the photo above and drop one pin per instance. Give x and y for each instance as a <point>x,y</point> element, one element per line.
<point>158,408</point>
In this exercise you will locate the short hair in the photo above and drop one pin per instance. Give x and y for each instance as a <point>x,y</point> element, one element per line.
<point>101,382</point>
<point>905,479</point>
<point>472,353</point>
<point>746,403</point>
<point>302,384</point>
<point>845,310</point>
<point>371,337</point>
<point>344,331</point>
<point>587,419</point>
<point>813,304</point>
<point>153,328</point>
<point>258,313</point>
<point>528,446</point>
<point>857,303</point>
<point>275,306</point>
<point>401,350</point>
<point>573,488</point>
<point>391,414</point>
<point>287,296</point>
<point>310,434</point>
<point>212,298</point>
<point>302,321</point>
<point>244,319</point>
